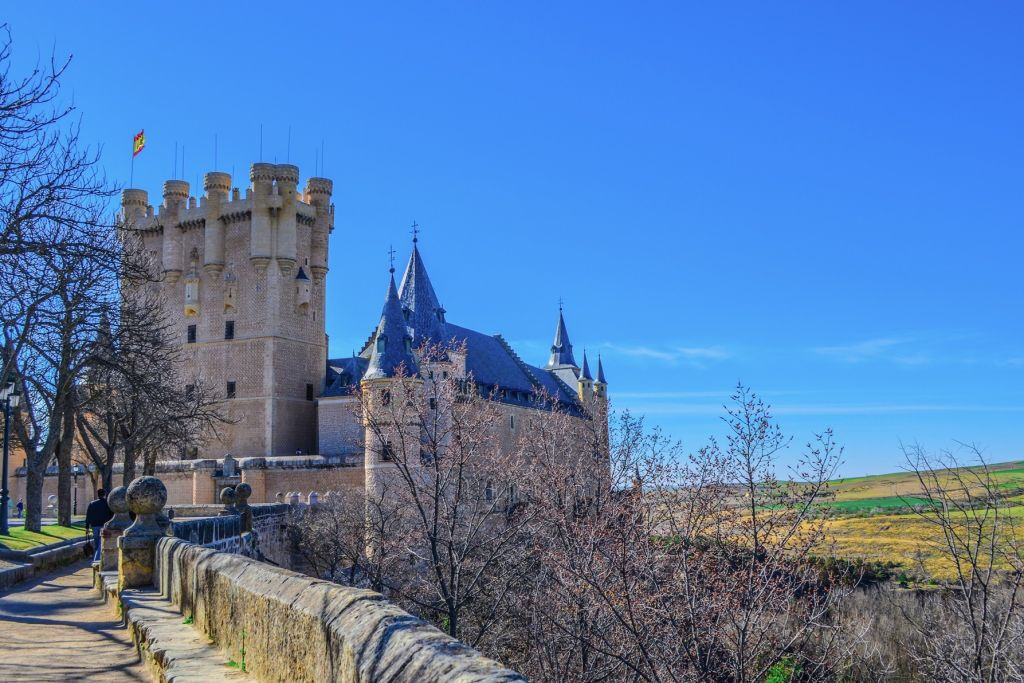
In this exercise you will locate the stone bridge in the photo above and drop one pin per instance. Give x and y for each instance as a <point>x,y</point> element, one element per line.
<point>212,598</point>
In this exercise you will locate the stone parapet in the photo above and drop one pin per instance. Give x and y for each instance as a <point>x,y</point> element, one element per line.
<point>300,629</point>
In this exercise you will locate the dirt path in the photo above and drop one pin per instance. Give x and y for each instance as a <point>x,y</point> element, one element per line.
<point>56,628</point>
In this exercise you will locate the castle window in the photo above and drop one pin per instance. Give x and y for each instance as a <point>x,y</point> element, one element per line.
<point>386,452</point>
<point>309,392</point>
<point>191,334</point>
<point>444,375</point>
<point>230,391</point>
<point>511,421</point>
<point>408,345</point>
<point>381,343</point>
<point>489,492</point>
<point>431,373</point>
<point>190,390</point>
<point>433,404</point>
<point>385,398</point>
<point>229,329</point>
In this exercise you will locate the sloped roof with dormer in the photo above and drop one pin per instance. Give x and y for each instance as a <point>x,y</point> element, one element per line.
<point>496,368</point>
<point>392,344</point>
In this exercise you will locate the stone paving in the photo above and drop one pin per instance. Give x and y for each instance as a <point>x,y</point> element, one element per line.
<point>57,628</point>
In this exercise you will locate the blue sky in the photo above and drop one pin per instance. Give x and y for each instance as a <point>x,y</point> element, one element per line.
<point>822,200</point>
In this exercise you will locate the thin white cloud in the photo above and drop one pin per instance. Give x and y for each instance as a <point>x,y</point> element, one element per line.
<point>862,350</point>
<point>675,354</point>
<point>824,409</point>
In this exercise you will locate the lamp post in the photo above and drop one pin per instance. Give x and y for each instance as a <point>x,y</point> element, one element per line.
<point>10,397</point>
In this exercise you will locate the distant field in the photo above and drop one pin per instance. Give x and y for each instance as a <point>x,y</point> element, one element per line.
<point>870,518</point>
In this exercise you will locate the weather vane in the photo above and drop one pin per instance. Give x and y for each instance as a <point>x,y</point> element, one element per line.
<point>415,232</point>
<point>391,257</point>
<point>560,302</point>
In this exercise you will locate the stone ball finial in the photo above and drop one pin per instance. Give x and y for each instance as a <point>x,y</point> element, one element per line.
<point>227,495</point>
<point>242,492</point>
<point>117,499</point>
<point>146,496</point>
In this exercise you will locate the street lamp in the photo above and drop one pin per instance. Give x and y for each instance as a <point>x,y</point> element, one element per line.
<point>11,397</point>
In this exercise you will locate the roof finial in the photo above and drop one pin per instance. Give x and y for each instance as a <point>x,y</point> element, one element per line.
<point>391,256</point>
<point>415,232</point>
<point>560,302</point>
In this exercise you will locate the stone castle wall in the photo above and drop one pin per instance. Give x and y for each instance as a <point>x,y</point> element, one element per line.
<point>233,259</point>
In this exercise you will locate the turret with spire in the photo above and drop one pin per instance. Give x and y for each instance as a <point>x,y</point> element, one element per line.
<point>561,348</point>
<point>392,342</point>
<point>585,383</point>
<point>601,385</point>
<point>423,313</point>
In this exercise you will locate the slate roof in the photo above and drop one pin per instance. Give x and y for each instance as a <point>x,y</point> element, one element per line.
<point>419,303</point>
<point>414,311</point>
<point>585,372</point>
<point>392,345</point>
<point>561,348</point>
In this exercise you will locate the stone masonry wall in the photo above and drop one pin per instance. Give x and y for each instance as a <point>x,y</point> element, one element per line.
<point>301,629</point>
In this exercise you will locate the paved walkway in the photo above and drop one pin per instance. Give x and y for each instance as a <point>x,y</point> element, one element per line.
<point>57,628</point>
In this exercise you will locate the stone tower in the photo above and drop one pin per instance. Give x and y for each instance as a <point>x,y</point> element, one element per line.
<point>242,286</point>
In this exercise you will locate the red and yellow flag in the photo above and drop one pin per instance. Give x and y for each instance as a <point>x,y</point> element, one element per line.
<point>139,142</point>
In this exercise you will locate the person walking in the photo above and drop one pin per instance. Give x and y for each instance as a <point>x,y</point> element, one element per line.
<point>96,515</point>
<point>20,506</point>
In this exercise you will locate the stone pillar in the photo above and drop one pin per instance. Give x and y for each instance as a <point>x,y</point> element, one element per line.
<point>242,493</point>
<point>137,545</point>
<point>254,473</point>
<point>112,530</point>
<point>204,488</point>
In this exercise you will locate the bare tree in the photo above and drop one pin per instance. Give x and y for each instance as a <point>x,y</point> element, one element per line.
<point>435,443</point>
<point>977,631</point>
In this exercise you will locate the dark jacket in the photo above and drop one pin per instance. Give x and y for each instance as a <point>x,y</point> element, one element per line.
<point>98,513</point>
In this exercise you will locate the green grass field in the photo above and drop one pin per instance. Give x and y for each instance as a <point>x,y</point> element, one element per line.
<point>871,518</point>
<point>19,539</point>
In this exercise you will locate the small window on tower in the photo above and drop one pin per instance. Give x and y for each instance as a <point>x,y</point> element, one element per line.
<point>191,334</point>
<point>309,392</point>
<point>381,341</point>
<point>231,390</point>
<point>433,404</point>
<point>511,421</point>
<point>229,329</point>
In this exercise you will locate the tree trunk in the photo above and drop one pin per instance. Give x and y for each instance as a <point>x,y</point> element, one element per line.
<point>34,498</point>
<point>129,464</point>
<point>64,448</point>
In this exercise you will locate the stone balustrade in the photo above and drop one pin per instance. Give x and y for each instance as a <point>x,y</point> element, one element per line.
<point>283,625</point>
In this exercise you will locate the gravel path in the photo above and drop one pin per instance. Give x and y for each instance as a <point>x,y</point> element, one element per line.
<point>57,628</point>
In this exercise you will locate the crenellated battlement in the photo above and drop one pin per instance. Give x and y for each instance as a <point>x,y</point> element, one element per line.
<point>242,279</point>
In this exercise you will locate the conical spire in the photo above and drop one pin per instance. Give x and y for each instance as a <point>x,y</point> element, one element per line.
<point>392,343</point>
<point>585,372</point>
<point>600,371</point>
<point>561,349</point>
<point>423,312</point>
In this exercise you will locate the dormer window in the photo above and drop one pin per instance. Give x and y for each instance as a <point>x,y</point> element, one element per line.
<point>381,343</point>
<point>406,312</point>
<point>408,344</point>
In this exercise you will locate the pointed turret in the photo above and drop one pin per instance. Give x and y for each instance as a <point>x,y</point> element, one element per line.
<point>392,343</point>
<point>561,348</point>
<point>419,302</point>
<point>585,383</point>
<point>585,372</point>
<point>601,385</point>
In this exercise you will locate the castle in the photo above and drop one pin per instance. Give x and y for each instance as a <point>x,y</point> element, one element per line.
<point>243,286</point>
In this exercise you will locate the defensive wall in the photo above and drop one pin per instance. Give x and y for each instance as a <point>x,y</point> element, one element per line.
<point>198,482</point>
<point>225,579</point>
